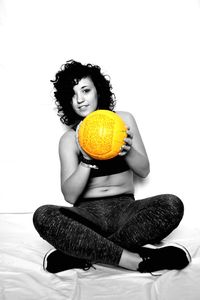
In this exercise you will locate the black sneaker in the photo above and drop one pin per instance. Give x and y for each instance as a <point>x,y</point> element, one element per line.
<point>167,257</point>
<point>56,261</point>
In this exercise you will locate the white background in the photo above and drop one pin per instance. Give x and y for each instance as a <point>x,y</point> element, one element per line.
<point>151,50</point>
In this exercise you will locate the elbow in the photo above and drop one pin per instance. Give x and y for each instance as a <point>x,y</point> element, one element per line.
<point>145,171</point>
<point>69,197</point>
<point>145,174</point>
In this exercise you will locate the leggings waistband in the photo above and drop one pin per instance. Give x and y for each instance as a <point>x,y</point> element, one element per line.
<point>113,197</point>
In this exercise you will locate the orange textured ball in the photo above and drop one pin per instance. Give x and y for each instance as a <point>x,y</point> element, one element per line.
<point>101,134</point>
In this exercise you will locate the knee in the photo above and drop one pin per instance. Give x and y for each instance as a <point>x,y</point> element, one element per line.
<point>39,216</point>
<point>175,204</point>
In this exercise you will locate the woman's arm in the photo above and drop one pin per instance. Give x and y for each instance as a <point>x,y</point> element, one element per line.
<point>74,175</point>
<point>134,151</point>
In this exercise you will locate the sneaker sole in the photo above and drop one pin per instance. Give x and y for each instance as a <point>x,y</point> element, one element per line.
<point>45,259</point>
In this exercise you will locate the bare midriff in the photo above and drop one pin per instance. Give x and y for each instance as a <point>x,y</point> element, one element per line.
<point>116,184</point>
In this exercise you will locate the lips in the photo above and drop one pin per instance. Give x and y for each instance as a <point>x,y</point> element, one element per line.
<point>83,107</point>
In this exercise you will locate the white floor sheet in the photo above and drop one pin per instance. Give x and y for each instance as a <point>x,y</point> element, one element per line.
<point>23,278</point>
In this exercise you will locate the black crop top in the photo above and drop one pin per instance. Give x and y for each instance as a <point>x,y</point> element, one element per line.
<point>109,167</point>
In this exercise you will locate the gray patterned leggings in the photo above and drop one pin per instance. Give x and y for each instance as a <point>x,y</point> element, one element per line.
<point>99,229</point>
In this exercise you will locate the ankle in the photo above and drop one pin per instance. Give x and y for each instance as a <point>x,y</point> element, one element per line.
<point>130,260</point>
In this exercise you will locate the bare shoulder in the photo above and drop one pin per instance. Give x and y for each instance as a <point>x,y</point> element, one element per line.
<point>128,118</point>
<point>68,140</point>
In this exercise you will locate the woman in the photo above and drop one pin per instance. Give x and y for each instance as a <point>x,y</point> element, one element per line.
<point>105,223</point>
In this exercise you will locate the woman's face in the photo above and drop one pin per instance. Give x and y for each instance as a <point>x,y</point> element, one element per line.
<point>85,99</point>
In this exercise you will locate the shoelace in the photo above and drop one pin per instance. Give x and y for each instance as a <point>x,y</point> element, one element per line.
<point>144,263</point>
<point>146,259</point>
<point>88,265</point>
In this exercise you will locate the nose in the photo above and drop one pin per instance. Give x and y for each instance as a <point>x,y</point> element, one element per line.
<point>80,99</point>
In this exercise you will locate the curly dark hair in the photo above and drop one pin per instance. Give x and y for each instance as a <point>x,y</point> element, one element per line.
<point>67,77</point>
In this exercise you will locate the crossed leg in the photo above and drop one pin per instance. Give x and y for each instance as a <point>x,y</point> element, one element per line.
<point>144,221</point>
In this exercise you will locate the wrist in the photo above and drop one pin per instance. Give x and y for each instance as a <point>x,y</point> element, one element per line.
<point>87,158</point>
<point>86,165</point>
<point>89,163</point>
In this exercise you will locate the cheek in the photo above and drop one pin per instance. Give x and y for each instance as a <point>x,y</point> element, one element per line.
<point>95,103</point>
<point>73,104</point>
<point>95,99</point>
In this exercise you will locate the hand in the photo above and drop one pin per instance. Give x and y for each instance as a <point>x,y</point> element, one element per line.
<point>85,155</point>
<point>128,143</point>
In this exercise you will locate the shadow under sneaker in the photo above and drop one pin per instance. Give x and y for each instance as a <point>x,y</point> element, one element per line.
<point>56,261</point>
<point>167,257</point>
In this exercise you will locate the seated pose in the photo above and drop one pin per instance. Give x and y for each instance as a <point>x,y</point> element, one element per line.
<point>104,224</point>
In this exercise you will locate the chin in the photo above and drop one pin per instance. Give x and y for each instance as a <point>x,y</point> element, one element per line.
<point>85,113</point>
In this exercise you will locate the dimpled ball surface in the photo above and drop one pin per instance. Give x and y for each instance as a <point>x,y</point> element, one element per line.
<point>101,134</point>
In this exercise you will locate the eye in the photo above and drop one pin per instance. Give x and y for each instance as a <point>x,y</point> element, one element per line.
<point>86,91</point>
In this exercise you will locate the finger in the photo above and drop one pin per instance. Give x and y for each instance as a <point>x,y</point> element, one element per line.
<point>128,141</point>
<point>129,133</point>
<point>126,148</point>
<point>122,153</point>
